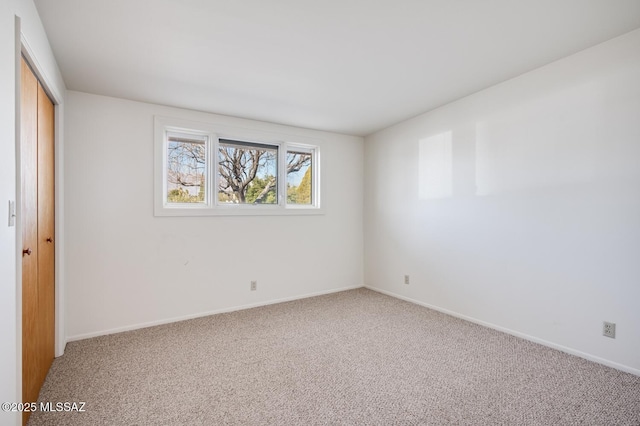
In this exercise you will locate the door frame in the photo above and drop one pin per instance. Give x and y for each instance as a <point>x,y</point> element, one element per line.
<point>23,48</point>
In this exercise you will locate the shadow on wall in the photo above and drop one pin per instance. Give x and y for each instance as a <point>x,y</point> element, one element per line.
<point>525,147</point>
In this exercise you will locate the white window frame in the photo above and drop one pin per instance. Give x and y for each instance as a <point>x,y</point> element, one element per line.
<point>213,133</point>
<point>208,146</point>
<point>315,174</point>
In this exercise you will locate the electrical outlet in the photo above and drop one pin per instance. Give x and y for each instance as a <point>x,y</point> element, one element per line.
<point>254,285</point>
<point>406,279</point>
<point>609,329</point>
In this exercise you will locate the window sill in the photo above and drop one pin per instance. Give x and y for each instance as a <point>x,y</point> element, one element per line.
<point>236,211</point>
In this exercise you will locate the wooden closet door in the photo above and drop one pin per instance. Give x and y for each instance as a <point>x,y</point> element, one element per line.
<point>46,231</point>
<point>29,170</point>
<point>38,225</point>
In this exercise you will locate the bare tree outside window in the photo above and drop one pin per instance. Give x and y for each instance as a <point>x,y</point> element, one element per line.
<point>248,171</point>
<point>186,165</point>
<point>216,170</point>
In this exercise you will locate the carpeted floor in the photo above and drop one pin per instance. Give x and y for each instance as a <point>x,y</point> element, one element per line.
<point>351,358</point>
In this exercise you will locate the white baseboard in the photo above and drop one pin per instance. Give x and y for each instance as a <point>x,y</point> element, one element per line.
<point>204,314</point>
<point>543,342</point>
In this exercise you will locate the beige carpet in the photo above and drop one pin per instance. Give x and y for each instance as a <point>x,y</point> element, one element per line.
<point>351,358</point>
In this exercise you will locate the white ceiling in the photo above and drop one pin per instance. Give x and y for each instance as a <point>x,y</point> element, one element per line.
<point>347,66</point>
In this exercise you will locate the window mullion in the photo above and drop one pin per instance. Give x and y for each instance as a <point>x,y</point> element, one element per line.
<point>282,175</point>
<point>215,146</point>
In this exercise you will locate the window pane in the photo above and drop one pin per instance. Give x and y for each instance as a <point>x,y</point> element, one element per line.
<point>186,156</point>
<point>247,173</point>
<point>299,178</point>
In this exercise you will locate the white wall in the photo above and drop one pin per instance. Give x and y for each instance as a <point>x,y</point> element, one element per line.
<point>126,268</point>
<point>540,234</point>
<point>8,313</point>
<point>32,33</point>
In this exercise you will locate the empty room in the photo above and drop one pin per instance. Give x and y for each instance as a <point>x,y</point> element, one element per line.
<point>352,212</point>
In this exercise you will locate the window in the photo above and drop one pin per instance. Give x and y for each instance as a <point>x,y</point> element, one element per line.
<point>247,173</point>
<point>299,177</point>
<point>186,171</point>
<point>204,170</point>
